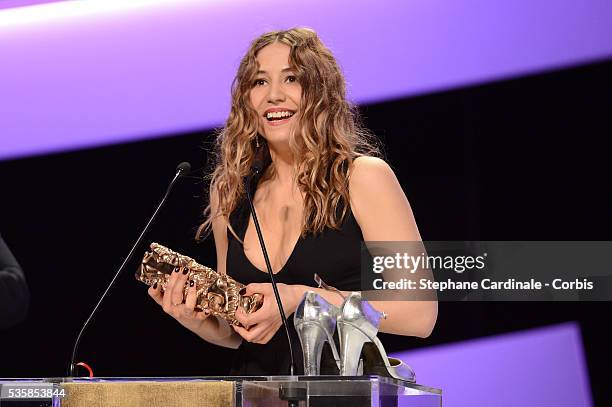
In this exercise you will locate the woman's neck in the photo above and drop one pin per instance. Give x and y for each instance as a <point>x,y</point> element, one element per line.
<point>284,163</point>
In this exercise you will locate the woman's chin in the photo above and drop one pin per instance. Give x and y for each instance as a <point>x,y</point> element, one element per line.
<point>276,137</point>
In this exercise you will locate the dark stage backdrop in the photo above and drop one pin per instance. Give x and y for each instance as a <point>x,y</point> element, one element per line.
<point>523,159</point>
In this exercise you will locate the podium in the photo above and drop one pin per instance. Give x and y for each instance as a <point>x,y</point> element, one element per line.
<point>247,391</point>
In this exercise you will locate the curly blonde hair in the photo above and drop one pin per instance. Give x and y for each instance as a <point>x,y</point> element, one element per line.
<point>329,134</point>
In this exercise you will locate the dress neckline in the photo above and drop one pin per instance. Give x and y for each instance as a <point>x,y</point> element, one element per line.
<point>244,214</point>
<point>283,267</point>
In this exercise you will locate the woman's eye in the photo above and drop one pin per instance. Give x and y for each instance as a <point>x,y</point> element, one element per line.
<point>291,78</point>
<point>259,82</point>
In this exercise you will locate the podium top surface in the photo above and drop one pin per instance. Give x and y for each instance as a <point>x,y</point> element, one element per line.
<point>261,381</point>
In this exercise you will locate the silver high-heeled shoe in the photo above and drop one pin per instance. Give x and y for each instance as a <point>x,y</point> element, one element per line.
<point>315,322</point>
<point>357,328</point>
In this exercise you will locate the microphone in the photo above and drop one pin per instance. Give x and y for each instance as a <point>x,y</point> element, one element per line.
<point>260,162</point>
<point>182,169</point>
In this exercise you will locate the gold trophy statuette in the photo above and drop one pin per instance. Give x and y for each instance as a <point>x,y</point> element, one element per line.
<point>218,293</point>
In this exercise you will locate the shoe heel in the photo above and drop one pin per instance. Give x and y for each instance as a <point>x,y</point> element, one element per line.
<point>351,343</point>
<point>315,322</point>
<point>312,338</point>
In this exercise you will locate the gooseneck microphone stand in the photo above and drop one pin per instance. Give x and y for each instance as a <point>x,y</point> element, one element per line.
<point>181,170</point>
<point>259,163</point>
<point>292,394</point>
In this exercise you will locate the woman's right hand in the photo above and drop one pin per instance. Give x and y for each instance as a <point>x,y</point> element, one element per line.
<point>172,301</point>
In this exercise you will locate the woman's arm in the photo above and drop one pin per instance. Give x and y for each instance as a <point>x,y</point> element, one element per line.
<point>230,338</point>
<point>212,329</point>
<point>384,214</point>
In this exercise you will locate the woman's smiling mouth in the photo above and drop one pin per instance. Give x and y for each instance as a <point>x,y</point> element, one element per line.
<point>278,116</point>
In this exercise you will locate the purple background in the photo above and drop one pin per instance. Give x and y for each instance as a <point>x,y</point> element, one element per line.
<point>22,3</point>
<point>538,367</point>
<point>88,73</point>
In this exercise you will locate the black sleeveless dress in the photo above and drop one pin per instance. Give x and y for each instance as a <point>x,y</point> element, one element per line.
<point>333,254</point>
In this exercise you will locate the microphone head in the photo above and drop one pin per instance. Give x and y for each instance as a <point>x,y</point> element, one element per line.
<point>257,167</point>
<point>262,159</point>
<point>184,168</point>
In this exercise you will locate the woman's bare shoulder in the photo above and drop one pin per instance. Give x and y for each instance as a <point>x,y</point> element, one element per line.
<point>367,170</point>
<point>379,203</point>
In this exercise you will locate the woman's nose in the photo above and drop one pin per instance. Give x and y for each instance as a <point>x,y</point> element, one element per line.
<point>275,93</point>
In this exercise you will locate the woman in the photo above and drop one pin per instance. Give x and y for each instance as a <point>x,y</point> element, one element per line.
<point>322,194</point>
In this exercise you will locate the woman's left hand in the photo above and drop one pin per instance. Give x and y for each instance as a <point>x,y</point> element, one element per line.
<point>261,325</point>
